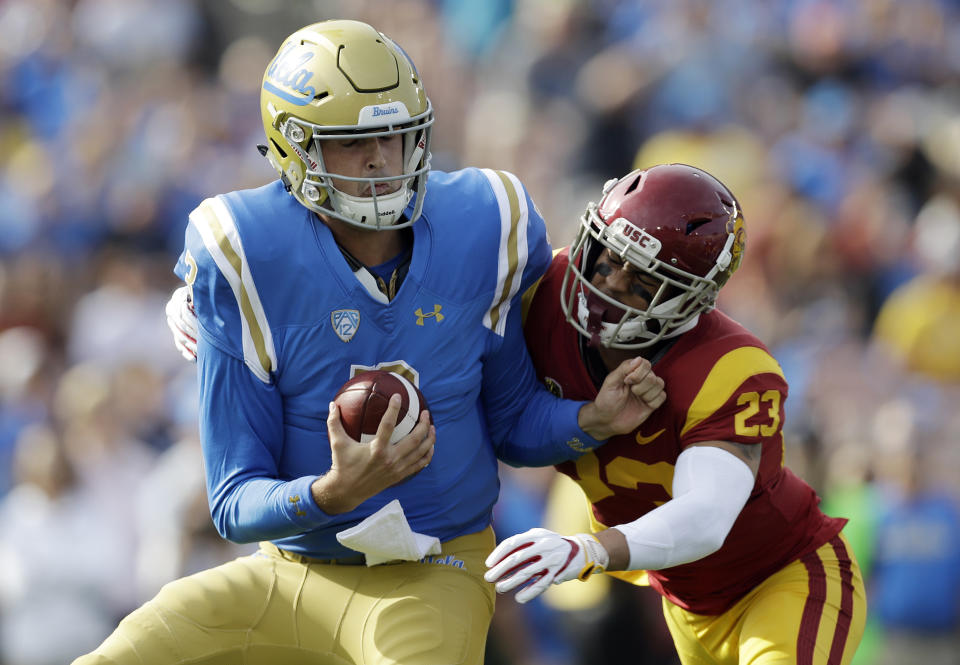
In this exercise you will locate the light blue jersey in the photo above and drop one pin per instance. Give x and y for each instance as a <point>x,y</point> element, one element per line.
<point>284,322</point>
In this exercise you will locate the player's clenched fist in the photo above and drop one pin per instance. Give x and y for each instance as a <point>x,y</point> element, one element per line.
<point>629,394</point>
<point>644,384</point>
<point>534,560</point>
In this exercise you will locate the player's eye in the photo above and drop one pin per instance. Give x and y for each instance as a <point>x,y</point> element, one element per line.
<point>640,289</point>
<point>614,260</point>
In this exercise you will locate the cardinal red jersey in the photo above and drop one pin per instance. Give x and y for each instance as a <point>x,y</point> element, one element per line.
<point>721,384</point>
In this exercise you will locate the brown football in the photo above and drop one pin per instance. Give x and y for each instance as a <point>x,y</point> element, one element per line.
<point>363,400</point>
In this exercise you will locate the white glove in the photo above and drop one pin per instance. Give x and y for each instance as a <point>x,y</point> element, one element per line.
<point>538,558</point>
<point>182,321</point>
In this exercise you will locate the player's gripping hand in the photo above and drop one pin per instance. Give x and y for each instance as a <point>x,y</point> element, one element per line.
<point>629,394</point>
<point>539,557</point>
<point>182,321</point>
<point>358,471</point>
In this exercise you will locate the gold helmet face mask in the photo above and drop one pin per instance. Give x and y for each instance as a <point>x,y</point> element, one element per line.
<point>336,79</point>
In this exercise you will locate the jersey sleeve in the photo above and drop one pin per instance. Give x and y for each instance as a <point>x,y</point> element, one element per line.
<point>241,426</point>
<point>740,400</point>
<point>528,425</point>
<point>229,311</point>
<point>241,430</point>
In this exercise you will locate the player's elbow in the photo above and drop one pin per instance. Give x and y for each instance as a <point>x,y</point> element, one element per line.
<point>713,540</point>
<point>223,526</point>
<point>228,526</point>
<point>712,527</point>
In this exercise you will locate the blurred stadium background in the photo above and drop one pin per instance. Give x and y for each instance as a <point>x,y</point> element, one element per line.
<point>836,122</point>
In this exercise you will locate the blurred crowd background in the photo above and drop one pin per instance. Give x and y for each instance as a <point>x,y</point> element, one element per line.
<point>836,123</point>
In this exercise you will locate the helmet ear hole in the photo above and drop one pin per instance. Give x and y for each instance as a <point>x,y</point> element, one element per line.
<point>696,224</point>
<point>280,151</point>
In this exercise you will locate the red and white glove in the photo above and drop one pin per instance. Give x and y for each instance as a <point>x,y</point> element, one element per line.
<point>538,558</point>
<point>182,321</point>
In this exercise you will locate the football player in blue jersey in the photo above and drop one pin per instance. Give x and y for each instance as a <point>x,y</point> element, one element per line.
<point>360,257</point>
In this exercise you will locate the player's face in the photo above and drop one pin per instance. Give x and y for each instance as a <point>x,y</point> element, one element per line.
<point>622,282</point>
<point>365,158</point>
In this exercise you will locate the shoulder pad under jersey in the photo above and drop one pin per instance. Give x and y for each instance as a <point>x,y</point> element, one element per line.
<point>489,238</point>
<point>223,241</point>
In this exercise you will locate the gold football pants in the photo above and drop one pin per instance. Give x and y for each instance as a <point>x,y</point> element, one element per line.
<point>276,607</point>
<point>810,612</point>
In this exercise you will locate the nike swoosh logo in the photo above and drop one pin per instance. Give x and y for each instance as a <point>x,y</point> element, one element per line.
<point>644,440</point>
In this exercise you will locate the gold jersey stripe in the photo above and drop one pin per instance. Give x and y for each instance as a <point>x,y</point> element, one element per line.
<point>726,377</point>
<point>243,296</point>
<point>512,257</point>
<point>528,295</point>
<point>511,246</point>
<point>527,300</point>
<point>214,222</point>
<point>635,577</point>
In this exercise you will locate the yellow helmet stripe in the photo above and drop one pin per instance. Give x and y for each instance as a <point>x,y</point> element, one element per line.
<point>214,222</point>
<point>726,377</point>
<point>512,257</point>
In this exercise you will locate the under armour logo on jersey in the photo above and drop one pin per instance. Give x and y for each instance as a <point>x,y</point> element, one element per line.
<point>576,444</point>
<point>297,510</point>
<point>435,314</point>
<point>345,323</point>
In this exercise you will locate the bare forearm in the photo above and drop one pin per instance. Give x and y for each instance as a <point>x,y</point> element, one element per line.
<point>616,545</point>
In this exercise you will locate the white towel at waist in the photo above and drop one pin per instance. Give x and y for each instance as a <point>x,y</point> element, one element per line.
<point>386,536</point>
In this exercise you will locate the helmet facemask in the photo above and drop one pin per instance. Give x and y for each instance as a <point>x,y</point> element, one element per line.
<point>673,308</point>
<point>378,211</point>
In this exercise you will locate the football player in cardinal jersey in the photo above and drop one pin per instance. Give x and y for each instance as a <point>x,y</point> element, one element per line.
<point>696,502</point>
<point>352,260</point>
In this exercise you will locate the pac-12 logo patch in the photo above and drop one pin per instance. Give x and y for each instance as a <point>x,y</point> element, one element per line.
<point>345,323</point>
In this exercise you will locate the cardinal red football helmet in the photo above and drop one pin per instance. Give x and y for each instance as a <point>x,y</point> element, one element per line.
<point>676,223</point>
